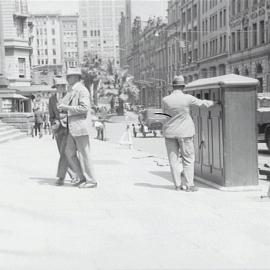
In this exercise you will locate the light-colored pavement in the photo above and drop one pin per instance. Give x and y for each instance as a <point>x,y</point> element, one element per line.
<point>133,220</point>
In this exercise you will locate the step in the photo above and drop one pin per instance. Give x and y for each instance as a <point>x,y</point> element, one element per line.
<point>6,127</point>
<point>17,136</point>
<point>9,132</point>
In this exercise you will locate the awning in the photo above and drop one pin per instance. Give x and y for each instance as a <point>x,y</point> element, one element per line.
<point>12,95</point>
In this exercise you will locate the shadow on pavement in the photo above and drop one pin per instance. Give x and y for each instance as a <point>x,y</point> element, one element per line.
<point>168,177</point>
<point>50,181</point>
<point>162,174</point>
<point>170,187</point>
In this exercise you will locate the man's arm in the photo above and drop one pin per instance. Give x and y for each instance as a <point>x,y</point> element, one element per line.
<point>201,102</point>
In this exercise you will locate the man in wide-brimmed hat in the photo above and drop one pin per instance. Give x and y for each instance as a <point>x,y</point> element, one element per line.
<point>58,120</point>
<point>77,106</point>
<point>179,131</point>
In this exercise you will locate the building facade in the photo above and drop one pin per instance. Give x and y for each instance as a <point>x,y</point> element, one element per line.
<point>214,38</point>
<point>16,41</point>
<point>47,53</point>
<point>69,41</point>
<point>250,40</point>
<point>98,29</point>
<point>2,45</point>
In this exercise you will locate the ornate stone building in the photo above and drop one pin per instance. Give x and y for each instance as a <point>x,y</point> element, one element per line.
<point>250,40</point>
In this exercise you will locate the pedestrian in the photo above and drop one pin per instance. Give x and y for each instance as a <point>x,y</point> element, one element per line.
<point>38,116</point>
<point>179,131</point>
<point>100,126</point>
<point>58,120</point>
<point>77,105</point>
<point>47,124</point>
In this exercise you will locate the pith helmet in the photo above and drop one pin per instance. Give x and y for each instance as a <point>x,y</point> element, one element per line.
<point>74,71</point>
<point>179,80</point>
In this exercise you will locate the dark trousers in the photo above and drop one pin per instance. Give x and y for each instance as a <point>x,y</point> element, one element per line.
<point>37,128</point>
<point>78,155</point>
<point>63,166</point>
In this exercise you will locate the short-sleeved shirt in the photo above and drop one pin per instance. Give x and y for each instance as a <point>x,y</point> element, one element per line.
<point>177,105</point>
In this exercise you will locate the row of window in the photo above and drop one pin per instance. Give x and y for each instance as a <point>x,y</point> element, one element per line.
<point>215,46</point>
<point>209,4</point>
<point>41,31</point>
<point>43,21</point>
<point>72,33</point>
<point>71,44</point>
<point>45,52</point>
<point>239,5</point>
<point>45,62</point>
<point>213,22</point>
<point>71,54</point>
<point>41,42</point>
<point>240,38</point>
<point>93,33</point>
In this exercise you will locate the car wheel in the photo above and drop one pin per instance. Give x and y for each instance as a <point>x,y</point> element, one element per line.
<point>267,138</point>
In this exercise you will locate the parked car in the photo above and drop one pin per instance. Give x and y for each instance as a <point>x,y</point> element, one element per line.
<point>149,122</point>
<point>263,118</point>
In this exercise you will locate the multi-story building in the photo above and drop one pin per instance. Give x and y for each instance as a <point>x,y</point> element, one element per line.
<point>69,41</point>
<point>214,38</point>
<point>152,63</point>
<point>189,45</point>
<point>124,33</point>
<point>16,41</point>
<point>2,45</point>
<point>98,29</point>
<point>250,40</point>
<point>47,54</point>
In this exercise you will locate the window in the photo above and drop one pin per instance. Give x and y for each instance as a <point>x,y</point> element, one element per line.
<point>46,52</point>
<point>233,7</point>
<point>254,32</point>
<point>84,33</point>
<point>54,52</point>
<point>262,32</point>
<point>46,61</point>
<point>54,61</point>
<point>233,42</point>
<point>22,70</point>
<point>85,45</point>
<point>238,40</point>
<point>53,31</point>
<point>245,38</point>
<point>53,41</point>
<point>220,19</point>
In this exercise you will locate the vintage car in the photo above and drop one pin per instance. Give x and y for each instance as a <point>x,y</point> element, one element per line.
<point>263,118</point>
<point>149,122</point>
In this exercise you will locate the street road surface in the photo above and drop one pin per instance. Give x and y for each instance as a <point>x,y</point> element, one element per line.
<point>152,145</point>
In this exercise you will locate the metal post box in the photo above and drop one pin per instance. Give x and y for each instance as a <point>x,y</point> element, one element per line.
<point>226,138</point>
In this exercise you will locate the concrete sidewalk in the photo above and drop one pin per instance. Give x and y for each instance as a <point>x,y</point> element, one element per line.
<point>133,220</point>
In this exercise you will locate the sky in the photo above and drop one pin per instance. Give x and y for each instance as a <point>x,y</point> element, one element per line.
<point>145,8</point>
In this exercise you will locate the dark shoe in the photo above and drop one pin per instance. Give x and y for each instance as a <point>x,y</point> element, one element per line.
<point>88,185</point>
<point>191,189</point>
<point>59,182</point>
<point>78,183</point>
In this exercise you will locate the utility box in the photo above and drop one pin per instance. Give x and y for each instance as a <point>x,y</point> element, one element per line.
<point>226,136</point>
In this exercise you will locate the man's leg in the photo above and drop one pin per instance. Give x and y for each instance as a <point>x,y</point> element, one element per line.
<point>173,156</point>
<point>71,155</point>
<point>188,158</point>
<point>62,163</point>
<point>83,147</point>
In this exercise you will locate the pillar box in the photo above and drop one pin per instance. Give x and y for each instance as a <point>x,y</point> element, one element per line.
<point>226,137</point>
